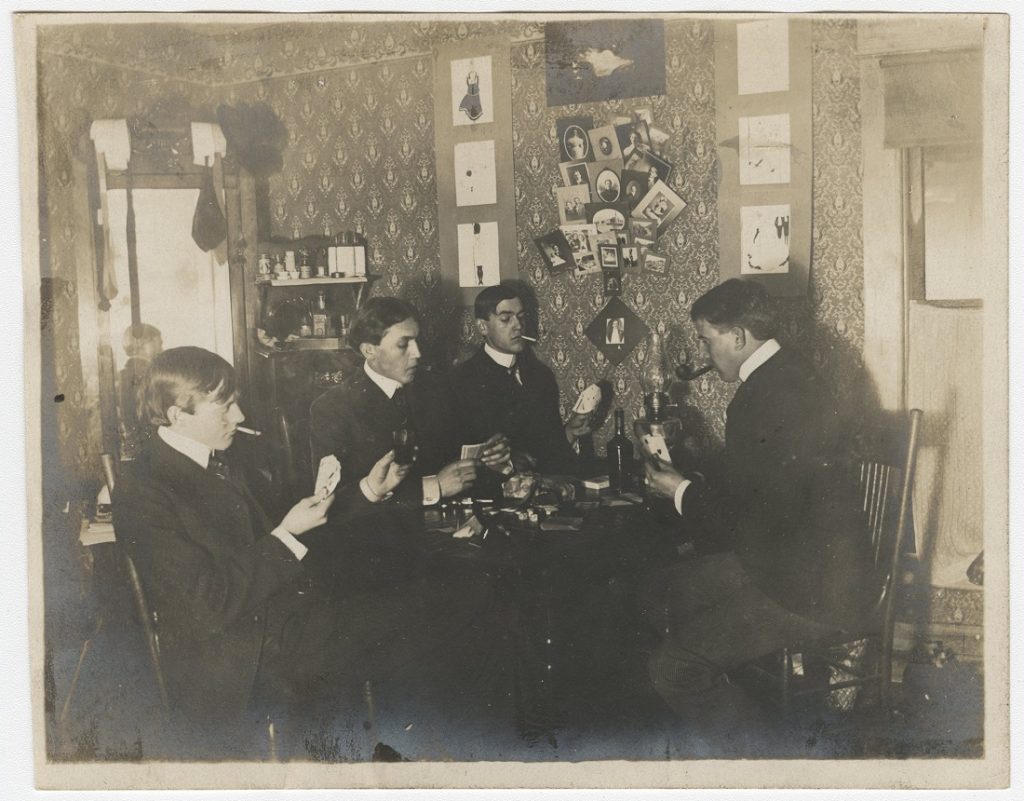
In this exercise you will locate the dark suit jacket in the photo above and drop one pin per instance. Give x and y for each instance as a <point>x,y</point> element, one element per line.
<point>790,519</point>
<point>355,421</point>
<point>210,570</point>
<point>490,400</point>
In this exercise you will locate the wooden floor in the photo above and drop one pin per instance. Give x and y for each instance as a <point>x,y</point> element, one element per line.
<point>609,713</point>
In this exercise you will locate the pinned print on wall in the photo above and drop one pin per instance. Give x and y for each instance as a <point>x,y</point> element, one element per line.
<point>762,55</point>
<point>764,239</point>
<point>472,91</point>
<point>604,59</point>
<point>574,173</point>
<point>764,149</point>
<point>475,183</point>
<point>478,254</point>
<point>600,173</point>
<point>616,330</point>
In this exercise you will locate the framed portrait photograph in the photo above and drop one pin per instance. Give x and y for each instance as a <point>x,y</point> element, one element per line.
<point>612,283</point>
<point>603,170</point>
<point>616,330</point>
<point>655,167</point>
<point>574,173</point>
<point>661,205</point>
<point>472,91</point>
<point>655,263</point>
<point>607,185</point>
<point>604,143</point>
<point>608,257</point>
<point>572,204</point>
<point>634,138</point>
<point>555,251</point>
<point>634,186</point>
<point>573,141</point>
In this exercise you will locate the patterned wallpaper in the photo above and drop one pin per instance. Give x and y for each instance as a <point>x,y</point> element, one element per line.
<point>361,155</point>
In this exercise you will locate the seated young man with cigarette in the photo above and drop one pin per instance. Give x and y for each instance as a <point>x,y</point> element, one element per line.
<point>505,389</point>
<point>236,615</point>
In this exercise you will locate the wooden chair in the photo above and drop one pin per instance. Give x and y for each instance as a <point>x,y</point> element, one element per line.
<point>886,467</point>
<point>150,620</point>
<point>297,469</point>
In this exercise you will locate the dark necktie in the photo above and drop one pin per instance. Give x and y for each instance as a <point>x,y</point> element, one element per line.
<point>218,465</point>
<point>400,401</point>
<point>513,370</point>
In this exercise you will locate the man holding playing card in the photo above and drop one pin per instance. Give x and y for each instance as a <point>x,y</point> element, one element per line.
<point>236,615</point>
<point>393,403</point>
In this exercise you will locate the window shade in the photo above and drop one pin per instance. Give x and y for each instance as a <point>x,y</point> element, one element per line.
<point>932,99</point>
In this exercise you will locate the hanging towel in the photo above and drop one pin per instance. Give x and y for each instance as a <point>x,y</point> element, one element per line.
<point>207,141</point>
<point>112,140</point>
<point>209,228</point>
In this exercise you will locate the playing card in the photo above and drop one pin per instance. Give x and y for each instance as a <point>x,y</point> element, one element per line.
<point>327,476</point>
<point>657,447</point>
<point>472,451</point>
<point>588,400</point>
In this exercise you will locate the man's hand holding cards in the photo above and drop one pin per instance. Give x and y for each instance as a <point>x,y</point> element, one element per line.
<point>327,477</point>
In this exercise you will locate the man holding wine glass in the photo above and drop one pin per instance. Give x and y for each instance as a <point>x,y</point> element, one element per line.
<point>394,403</point>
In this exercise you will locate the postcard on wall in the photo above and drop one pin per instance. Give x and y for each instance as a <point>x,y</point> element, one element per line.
<point>472,91</point>
<point>764,239</point>
<point>762,56</point>
<point>609,217</point>
<point>764,149</point>
<point>475,183</point>
<point>478,254</point>
<point>572,203</point>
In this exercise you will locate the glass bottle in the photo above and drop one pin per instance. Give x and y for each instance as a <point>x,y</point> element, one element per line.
<point>620,455</point>
<point>305,321</point>
<point>320,316</point>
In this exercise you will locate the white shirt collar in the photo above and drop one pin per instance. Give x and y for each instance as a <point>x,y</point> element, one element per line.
<point>758,357</point>
<point>387,385</point>
<point>506,360</point>
<point>186,446</point>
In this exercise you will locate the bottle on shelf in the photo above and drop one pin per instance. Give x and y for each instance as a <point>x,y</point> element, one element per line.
<point>320,316</point>
<point>620,455</point>
<point>305,322</point>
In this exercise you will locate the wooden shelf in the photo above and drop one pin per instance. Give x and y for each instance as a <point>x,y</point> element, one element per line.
<point>350,279</point>
<point>305,343</point>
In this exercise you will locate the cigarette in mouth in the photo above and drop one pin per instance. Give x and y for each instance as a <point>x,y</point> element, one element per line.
<point>528,339</point>
<point>252,432</point>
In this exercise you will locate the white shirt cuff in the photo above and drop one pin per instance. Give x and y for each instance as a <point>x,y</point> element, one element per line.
<point>431,490</point>
<point>369,494</point>
<point>679,494</point>
<point>289,542</point>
